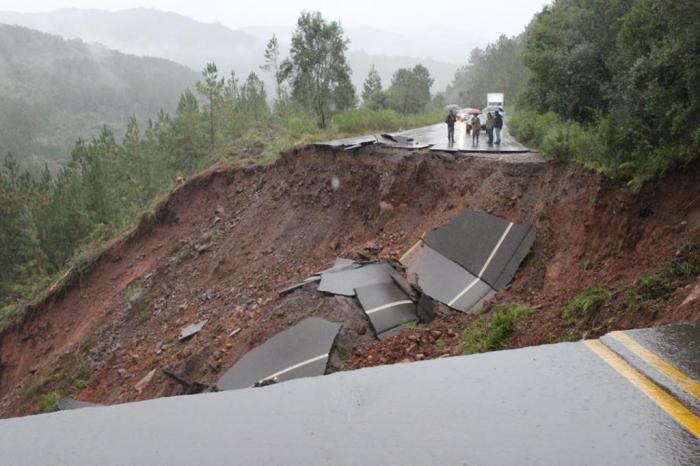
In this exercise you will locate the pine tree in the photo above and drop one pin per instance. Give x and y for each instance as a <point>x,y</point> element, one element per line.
<point>373,84</point>
<point>211,88</point>
<point>272,65</point>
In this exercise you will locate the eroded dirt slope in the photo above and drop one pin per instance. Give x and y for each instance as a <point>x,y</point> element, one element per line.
<point>224,243</point>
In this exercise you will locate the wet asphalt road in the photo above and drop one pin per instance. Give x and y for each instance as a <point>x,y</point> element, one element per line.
<point>565,404</point>
<point>437,136</point>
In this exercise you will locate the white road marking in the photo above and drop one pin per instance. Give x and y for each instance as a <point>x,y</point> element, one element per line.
<point>486,264</point>
<point>387,306</point>
<point>498,245</point>
<point>295,366</point>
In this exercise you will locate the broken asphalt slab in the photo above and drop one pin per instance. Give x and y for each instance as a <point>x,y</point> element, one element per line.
<point>191,330</point>
<point>444,280</point>
<point>300,351</point>
<point>345,282</point>
<point>487,246</point>
<point>387,307</point>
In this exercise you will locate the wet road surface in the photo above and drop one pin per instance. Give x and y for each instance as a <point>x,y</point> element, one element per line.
<point>434,138</point>
<point>569,403</point>
<point>436,135</point>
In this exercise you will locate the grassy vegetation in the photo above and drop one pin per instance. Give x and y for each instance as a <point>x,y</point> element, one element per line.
<point>490,334</point>
<point>47,401</point>
<point>48,387</point>
<point>366,120</point>
<point>586,303</point>
<point>653,287</point>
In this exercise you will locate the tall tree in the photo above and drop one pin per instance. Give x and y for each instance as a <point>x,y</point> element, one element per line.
<point>410,89</point>
<point>497,68</point>
<point>190,139</point>
<point>372,85</point>
<point>211,88</point>
<point>317,69</point>
<point>272,65</point>
<point>252,98</point>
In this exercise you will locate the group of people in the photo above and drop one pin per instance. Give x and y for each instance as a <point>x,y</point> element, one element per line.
<point>493,124</point>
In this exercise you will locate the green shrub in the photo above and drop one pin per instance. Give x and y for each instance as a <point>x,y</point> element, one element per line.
<point>653,287</point>
<point>586,303</point>
<point>491,335</point>
<point>686,264</point>
<point>367,120</point>
<point>79,384</point>
<point>47,401</point>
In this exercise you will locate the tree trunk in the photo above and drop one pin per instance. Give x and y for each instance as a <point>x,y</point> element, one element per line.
<point>211,120</point>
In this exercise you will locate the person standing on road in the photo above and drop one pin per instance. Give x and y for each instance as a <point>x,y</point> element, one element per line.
<point>498,125</point>
<point>450,120</point>
<point>476,129</point>
<point>490,121</point>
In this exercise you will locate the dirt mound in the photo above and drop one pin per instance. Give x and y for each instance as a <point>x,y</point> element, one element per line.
<point>223,244</point>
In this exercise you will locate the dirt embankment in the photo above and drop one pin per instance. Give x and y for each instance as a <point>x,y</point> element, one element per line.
<point>224,243</point>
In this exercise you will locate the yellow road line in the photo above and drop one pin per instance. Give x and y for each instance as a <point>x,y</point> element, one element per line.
<point>407,253</point>
<point>660,364</point>
<point>658,395</point>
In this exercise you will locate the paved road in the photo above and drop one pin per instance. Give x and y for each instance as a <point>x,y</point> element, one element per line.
<point>570,403</point>
<point>437,136</point>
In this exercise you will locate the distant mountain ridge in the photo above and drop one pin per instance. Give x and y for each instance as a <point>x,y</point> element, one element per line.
<point>143,31</point>
<point>54,91</point>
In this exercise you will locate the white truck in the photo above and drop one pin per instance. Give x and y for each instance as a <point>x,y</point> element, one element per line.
<point>494,99</point>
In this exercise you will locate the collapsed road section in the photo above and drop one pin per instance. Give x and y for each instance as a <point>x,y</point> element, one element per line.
<point>301,351</point>
<point>463,263</point>
<point>568,403</point>
<point>429,137</point>
<point>439,265</point>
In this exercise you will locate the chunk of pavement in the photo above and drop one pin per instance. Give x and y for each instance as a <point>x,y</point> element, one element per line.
<point>387,307</point>
<point>339,265</point>
<point>425,308</point>
<point>487,246</point>
<point>444,280</point>
<point>67,403</point>
<point>346,281</point>
<point>398,141</point>
<point>300,351</point>
<point>347,142</point>
<point>191,330</point>
<point>296,286</point>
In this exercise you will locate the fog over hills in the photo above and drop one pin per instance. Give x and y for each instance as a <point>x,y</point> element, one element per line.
<point>143,31</point>
<point>54,91</point>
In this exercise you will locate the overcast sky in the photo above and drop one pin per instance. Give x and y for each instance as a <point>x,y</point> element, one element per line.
<point>483,18</point>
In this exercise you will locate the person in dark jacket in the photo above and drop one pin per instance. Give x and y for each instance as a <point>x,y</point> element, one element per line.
<point>497,126</point>
<point>450,120</point>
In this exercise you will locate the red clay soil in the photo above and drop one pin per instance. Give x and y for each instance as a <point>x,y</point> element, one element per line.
<point>224,243</point>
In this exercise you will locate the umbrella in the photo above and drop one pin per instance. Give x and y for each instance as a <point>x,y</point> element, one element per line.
<point>472,111</point>
<point>452,107</point>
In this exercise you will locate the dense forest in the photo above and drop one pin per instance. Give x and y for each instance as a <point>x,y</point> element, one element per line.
<point>53,220</point>
<point>54,91</point>
<point>610,84</point>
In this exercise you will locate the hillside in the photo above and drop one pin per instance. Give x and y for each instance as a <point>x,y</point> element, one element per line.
<point>208,254</point>
<point>54,91</point>
<point>143,31</point>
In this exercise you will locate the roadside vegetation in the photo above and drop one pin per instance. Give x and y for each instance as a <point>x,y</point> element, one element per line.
<point>591,308</point>
<point>54,222</point>
<point>491,333</point>
<point>608,84</point>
